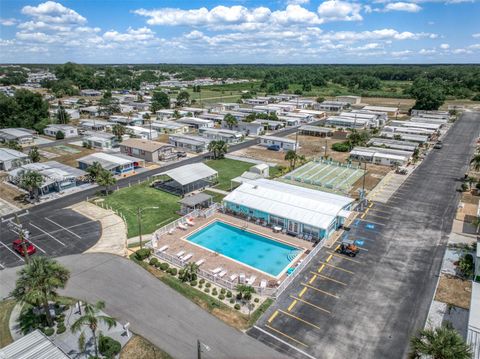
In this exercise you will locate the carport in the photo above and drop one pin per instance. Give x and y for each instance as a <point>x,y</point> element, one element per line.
<point>186,179</point>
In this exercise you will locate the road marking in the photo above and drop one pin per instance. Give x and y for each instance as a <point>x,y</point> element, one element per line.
<point>314,276</point>
<point>319,290</point>
<point>311,304</point>
<point>345,257</point>
<point>48,234</point>
<point>367,221</point>
<point>374,215</point>
<point>329,257</point>
<point>292,305</point>
<point>273,316</point>
<point>329,278</point>
<point>31,240</point>
<point>339,268</point>
<point>321,268</point>
<point>303,291</point>
<point>287,336</point>
<point>66,229</point>
<point>370,205</point>
<point>300,319</point>
<point>2,266</point>
<point>11,250</point>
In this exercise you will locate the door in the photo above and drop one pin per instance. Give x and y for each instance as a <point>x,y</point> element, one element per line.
<point>292,227</point>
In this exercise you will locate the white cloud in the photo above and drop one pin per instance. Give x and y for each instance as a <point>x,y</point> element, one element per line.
<point>339,11</point>
<point>53,12</point>
<point>297,2</point>
<point>427,52</point>
<point>295,14</point>
<point>141,34</point>
<point>402,53</point>
<point>477,35</point>
<point>444,46</point>
<point>8,22</point>
<point>402,6</point>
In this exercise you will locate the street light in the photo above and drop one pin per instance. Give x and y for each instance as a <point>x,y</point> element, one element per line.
<point>139,220</point>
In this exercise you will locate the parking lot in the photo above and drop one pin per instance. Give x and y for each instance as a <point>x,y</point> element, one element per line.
<point>53,233</point>
<point>369,306</point>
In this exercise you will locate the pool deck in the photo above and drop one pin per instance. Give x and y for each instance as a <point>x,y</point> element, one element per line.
<point>176,242</point>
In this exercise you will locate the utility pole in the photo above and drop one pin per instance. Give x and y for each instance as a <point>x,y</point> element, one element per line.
<point>199,349</point>
<point>326,145</point>
<point>296,146</point>
<point>139,219</point>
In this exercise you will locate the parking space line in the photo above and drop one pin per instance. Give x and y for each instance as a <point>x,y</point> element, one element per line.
<point>11,250</point>
<point>345,257</point>
<point>2,266</point>
<point>302,292</point>
<point>321,268</point>
<point>272,317</point>
<point>329,278</point>
<point>31,240</point>
<point>69,231</point>
<point>314,276</point>
<point>286,335</point>
<point>319,290</point>
<point>300,319</point>
<point>365,220</point>
<point>339,268</point>
<point>292,305</point>
<point>48,234</point>
<point>374,215</point>
<point>329,257</point>
<point>311,304</point>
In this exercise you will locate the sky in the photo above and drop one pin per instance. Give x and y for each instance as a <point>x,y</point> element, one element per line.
<point>240,31</point>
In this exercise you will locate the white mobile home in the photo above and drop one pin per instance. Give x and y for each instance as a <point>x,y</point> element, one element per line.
<point>196,123</point>
<point>347,122</point>
<point>11,159</point>
<point>381,156</point>
<point>394,144</point>
<point>142,132</point>
<point>68,131</point>
<point>189,143</point>
<point>283,142</point>
<point>331,106</point>
<point>218,134</point>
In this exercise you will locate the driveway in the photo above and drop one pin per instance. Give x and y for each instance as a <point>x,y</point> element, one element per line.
<point>155,311</point>
<point>369,306</point>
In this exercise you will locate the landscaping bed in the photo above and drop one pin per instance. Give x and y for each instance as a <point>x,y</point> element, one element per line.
<point>454,290</point>
<point>216,300</point>
<point>140,348</point>
<point>6,308</point>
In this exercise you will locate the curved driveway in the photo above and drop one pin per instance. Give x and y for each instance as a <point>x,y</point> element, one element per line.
<point>154,310</point>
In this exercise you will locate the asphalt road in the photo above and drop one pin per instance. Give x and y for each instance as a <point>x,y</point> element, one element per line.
<point>370,306</point>
<point>53,232</point>
<point>154,311</point>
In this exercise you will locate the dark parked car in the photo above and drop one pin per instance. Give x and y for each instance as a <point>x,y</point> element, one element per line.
<point>274,148</point>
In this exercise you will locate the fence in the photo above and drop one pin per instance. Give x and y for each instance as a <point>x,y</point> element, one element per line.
<point>299,268</point>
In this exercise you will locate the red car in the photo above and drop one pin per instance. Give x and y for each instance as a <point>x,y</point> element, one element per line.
<point>18,247</point>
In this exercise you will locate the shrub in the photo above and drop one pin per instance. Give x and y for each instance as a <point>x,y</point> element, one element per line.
<point>142,254</point>
<point>59,135</point>
<point>207,290</point>
<point>193,283</point>
<point>341,147</point>
<point>180,272</point>
<point>164,266</point>
<point>464,187</point>
<point>229,294</point>
<point>173,271</point>
<point>237,306</point>
<point>239,296</point>
<point>61,329</point>
<point>158,264</point>
<point>200,286</point>
<point>466,266</point>
<point>202,281</point>
<point>208,285</point>
<point>232,301</point>
<point>48,331</point>
<point>214,291</point>
<point>221,297</point>
<point>222,291</point>
<point>153,261</point>
<point>108,347</point>
<point>256,300</point>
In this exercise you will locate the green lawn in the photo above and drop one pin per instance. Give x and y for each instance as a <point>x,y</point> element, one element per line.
<point>127,200</point>
<point>6,308</point>
<point>217,197</point>
<point>227,170</point>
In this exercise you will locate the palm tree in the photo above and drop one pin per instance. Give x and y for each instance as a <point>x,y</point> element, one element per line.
<point>475,162</point>
<point>189,272</point>
<point>91,318</point>
<point>218,148</point>
<point>118,130</point>
<point>32,181</point>
<point>291,156</point>
<point>94,170</point>
<point>439,343</point>
<point>105,178</point>
<point>38,283</point>
<point>230,120</point>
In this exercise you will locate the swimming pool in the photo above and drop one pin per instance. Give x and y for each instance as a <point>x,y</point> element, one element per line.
<point>254,250</point>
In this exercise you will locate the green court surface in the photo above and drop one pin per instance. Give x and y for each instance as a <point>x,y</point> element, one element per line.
<point>329,175</point>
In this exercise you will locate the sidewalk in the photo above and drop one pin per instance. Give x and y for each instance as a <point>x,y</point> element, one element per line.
<point>114,231</point>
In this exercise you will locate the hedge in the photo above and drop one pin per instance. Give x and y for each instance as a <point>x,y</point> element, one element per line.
<point>143,253</point>
<point>108,347</point>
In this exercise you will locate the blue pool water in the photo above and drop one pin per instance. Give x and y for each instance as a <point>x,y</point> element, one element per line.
<point>252,249</point>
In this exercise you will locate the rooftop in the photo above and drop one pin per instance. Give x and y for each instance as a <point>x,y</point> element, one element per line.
<point>190,173</point>
<point>144,145</point>
<point>32,346</point>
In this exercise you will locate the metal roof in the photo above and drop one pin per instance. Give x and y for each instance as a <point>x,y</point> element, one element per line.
<point>473,331</point>
<point>198,198</point>
<point>7,154</point>
<point>304,205</point>
<point>32,346</point>
<point>190,173</point>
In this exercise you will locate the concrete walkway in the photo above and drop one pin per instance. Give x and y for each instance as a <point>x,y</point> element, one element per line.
<point>155,311</point>
<point>114,231</point>
<point>216,190</point>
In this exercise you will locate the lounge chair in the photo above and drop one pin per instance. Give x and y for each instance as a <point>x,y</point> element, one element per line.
<point>200,262</point>
<point>222,273</point>
<point>251,280</point>
<point>216,270</point>
<point>263,284</point>
<point>242,278</point>
<point>171,231</point>
<point>233,277</point>
<point>190,222</point>
<point>163,249</point>
<point>179,254</point>
<point>182,226</point>
<point>186,257</point>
